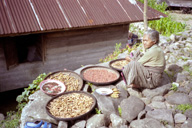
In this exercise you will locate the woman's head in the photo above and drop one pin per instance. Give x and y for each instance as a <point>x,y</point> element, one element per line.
<point>150,38</point>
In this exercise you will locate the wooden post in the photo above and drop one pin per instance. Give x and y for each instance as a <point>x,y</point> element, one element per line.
<point>145,18</point>
<point>145,15</point>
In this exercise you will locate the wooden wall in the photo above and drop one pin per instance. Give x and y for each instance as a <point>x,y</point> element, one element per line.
<point>69,49</point>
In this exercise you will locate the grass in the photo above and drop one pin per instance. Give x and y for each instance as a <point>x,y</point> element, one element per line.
<point>166,26</point>
<point>184,107</point>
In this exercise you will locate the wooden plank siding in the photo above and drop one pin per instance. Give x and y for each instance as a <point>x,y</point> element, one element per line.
<point>67,49</point>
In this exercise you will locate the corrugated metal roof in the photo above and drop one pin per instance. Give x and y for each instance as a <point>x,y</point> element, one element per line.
<point>29,16</point>
<point>179,3</point>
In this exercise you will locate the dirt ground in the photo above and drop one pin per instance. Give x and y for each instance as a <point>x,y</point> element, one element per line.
<point>184,18</point>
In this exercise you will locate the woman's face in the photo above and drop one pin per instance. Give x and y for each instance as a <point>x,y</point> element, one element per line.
<point>147,42</point>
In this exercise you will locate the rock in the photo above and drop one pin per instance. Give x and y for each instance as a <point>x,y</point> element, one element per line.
<point>112,103</point>
<point>182,90</point>
<point>165,80</point>
<point>178,98</point>
<point>188,113</point>
<point>189,85</point>
<point>146,100</point>
<point>62,124</point>
<point>123,95</point>
<point>123,55</point>
<point>146,123</point>
<point>148,108</point>
<point>187,124</point>
<point>161,115</point>
<point>141,115</point>
<point>158,98</point>
<point>181,77</point>
<point>179,118</point>
<point>35,109</point>
<point>117,121</point>
<point>189,62</point>
<point>105,104</point>
<point>169,126</point>
<point>79,124</point>
<point>189,45</point>
<point>159,91</point>
<point>2,117</point>
<point>173,37</point>
<point>182,63</point>
<point>190,95</point>
<point>95,121</point>
<point>172,59</point>
<point>131,107</point>
<point>174,68</point>
<point>158,105</point>
<point>134,92</point>
<point>123,126</point>
<point>121,84</point>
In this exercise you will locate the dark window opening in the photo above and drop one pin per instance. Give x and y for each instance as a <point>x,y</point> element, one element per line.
<point>22,49</point>
<point>27,48</point>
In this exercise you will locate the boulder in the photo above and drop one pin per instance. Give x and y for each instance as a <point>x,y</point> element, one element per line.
<point>159,91</point>
<point>2,117</point>
<point>62,124</point>
<point>117,121</point>
<point>183,90</point>
<point>35,109</point>
<point>158,98</point>
<point>174,68</point>
<point>178,98</point>
<point>161,115</point>
<point>146,123</point>
<point>131,107</point>
<point>173,37</point>
<point>179,118</point>
<point>158,105</point>
<point>141,115</point>
<point>79,124</point>
<point>96,121</point>
<point>134,92</point>
<point>123,95</point>
<point>187,124</point>
<point>105,104</point>
<point>188,113</point>
<point>190,95</point>
<point>165,80</point>
<point>181,77</point>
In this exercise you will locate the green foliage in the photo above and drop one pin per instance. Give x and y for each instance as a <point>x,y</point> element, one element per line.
<point>174,87</point>
<point>166,26</point>
<point>97,111</point>
<point>164,122</point>
<point>187,68</point>
<point>184,107</point>
<point>119,110</point>
<point>23,98</point>
<point>11,121</point>
<point>91,86</point>
<point>12,118</point>
<point>118,50</point>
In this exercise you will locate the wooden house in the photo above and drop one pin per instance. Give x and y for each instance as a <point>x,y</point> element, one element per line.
<point>38,36</point>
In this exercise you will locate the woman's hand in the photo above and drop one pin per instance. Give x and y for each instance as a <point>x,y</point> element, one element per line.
<point>128,58</point>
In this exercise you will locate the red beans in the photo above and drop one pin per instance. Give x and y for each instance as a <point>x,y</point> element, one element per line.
<point>99,75</point>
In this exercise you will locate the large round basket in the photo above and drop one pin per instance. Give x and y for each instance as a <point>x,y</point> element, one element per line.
<point>100,68</point>
<point>72,118</point>
<point>113,61</point>
<point>70,73</point>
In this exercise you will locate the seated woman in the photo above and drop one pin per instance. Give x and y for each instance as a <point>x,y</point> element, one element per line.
<point>145,71</point>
